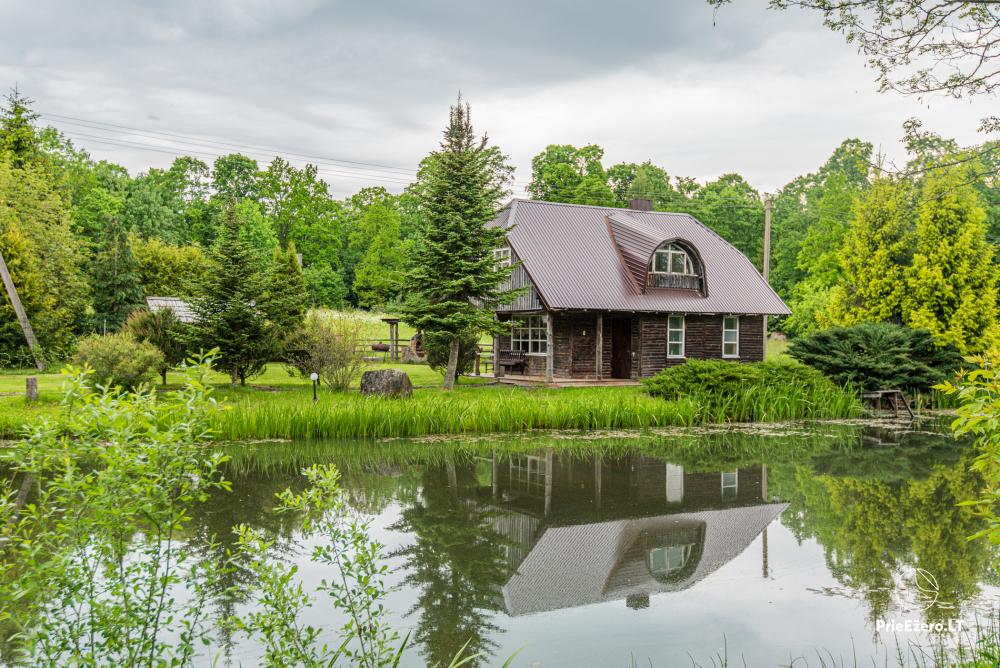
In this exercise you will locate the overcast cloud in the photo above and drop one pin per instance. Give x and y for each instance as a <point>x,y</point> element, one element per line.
<point>763,93</point>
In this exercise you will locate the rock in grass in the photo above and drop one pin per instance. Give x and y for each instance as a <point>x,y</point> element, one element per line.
<point>386,383</point>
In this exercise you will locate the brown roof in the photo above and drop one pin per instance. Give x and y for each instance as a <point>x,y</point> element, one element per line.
<point>570,252</point>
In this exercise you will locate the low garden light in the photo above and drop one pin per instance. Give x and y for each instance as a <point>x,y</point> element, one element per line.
<point>314,377</point>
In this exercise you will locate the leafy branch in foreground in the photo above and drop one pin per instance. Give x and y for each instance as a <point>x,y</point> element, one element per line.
<point>95,572</point>
<point>358,589</point>
<point>978,414</point>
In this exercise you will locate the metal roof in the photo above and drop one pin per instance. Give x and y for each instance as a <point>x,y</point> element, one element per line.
<point>181,309</point>
<point>570,253</point>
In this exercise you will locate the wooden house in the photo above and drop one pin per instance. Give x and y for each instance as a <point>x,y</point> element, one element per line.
<point>623,293</point>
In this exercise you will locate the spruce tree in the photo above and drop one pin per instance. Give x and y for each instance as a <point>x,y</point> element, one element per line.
<point>228,310</point>
<point>952,282</point>
<point>877,249</point>
<point>115,280</point>
<point>455,279</point>
<point>18,138</point>
<point>286,295</point>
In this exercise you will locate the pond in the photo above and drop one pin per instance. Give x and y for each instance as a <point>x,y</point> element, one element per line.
<point>684,548</point>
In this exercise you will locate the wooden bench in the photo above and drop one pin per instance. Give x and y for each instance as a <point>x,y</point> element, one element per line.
<point>515,359</point>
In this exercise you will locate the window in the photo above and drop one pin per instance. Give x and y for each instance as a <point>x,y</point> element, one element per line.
<point>528,474</point>
<point>502,256</point>
<point>730,484</point>
<point>672,259</point>
<point>675,336</point>
<point>530,335</point>
<point>666,560</point>
<point>731,336</point>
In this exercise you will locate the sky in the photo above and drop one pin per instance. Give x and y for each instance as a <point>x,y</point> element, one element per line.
<point>700,92</point>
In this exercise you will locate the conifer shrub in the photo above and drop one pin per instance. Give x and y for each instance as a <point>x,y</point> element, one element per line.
<point>751,392</point>
<point>119,360</point>
<point>874,356</point>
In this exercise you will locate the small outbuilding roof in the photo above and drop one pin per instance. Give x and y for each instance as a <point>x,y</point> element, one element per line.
<point>181,309</point>
<point>588,257</point>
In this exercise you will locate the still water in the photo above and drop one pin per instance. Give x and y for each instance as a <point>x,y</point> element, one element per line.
<point>793,544</point>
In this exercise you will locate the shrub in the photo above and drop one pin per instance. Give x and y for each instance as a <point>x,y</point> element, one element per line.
<point>873,356</point>
<point>119,359</point>
<point>436,344</point>
<point>328,345</point>
<point>762,391</point>
<point>162,329</point>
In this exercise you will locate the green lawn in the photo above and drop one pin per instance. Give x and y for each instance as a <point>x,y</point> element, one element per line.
<point>273,384</point>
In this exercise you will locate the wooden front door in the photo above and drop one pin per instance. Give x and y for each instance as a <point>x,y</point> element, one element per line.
<point>621,348</point>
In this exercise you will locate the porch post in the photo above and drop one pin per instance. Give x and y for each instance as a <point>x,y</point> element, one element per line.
<point>497,369</point>
<point>549,349</point>
<point>599,340</point>
<point>548,482</point>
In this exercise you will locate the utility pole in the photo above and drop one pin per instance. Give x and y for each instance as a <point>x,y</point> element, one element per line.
<point>22,317</point>
<point>767,257</point>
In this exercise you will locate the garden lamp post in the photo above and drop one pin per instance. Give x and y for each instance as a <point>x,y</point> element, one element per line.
<point>314,377</point>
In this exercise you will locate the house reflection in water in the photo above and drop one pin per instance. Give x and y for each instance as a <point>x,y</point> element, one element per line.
<point>631,526</point>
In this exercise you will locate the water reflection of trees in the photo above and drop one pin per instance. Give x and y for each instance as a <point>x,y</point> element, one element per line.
<point>888,507</point>
<point>457,563</point>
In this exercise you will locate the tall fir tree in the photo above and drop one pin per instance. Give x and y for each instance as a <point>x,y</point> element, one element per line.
<point>18,137</point>
<point>115,279</point>
<point>286,294</point>
<point>227,312</point>
<point>877,249</point>
<point>455,279</point>
<point>952,282</point>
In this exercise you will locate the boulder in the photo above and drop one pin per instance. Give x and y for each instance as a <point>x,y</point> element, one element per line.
<point>386,383</point>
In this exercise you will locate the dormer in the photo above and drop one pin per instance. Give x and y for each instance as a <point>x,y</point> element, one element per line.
<point>652,259</point>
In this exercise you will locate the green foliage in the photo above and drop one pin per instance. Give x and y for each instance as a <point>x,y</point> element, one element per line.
<point>878,356</point>
<point>163,330</point>
<point>733,209</point>
<point>438,348</point>
<point>114,280</point>
<point>342,544</point>
<point>256,231</point>
<point>877,248</point>
<point>759,391</point>
<point>329,345</point>
<point>455,279</point>
<point>227,313</point>
<point>978,415</point>
<point>119,360</point>
<point>18,140</point>
<point>379,273</point>
<point>952,282</point>
<point>166,270</point>
<point>325,285</point>
<point>235,178</point>
<point>111,583</point>
<point>565,173</point>
<point>36,227</point>
<point>285,295</point>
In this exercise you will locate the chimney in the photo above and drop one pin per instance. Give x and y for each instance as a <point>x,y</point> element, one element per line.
<point>640,204</point>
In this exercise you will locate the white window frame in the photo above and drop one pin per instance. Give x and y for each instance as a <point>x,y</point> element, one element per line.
<point>736,343</point>
<point>670,251</point>
<point>682,330</point>
<point>734,486</point>
<point>502,256</point>
<point>528,332</point>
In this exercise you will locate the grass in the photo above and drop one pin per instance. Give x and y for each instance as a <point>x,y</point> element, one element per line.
<point>277,405</point>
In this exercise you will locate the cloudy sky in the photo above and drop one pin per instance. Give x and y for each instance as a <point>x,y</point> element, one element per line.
<point>763,93</point>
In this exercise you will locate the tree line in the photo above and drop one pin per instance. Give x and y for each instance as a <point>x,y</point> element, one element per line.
<point>86,241</point>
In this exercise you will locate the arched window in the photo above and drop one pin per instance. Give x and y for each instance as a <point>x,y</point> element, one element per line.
<point>672,259</point>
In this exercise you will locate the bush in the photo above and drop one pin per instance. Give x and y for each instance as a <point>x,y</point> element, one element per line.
<point>436,344</point>
<point>874,356</point>
<point>761,391</point>
<point>328,345</point>
<point>162,329</point>
<point>119,359</point>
